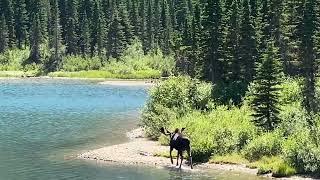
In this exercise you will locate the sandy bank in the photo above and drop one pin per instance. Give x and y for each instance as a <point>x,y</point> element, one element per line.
<point>103,81</point>
<point>129,82</point>
<point>141,151</point>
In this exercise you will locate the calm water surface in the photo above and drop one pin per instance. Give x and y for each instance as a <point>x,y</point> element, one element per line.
<point>45,123</point>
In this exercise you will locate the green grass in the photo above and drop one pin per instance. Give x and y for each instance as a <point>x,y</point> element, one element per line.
<point>233,158</point>
<point>274,165</point>
<point>166,154</point>
<point>265,165</point>
<point>18,74</point>
<point>142,74</point>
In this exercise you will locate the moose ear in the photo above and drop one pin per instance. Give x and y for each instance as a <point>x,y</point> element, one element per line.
<point>182,129</point>
<point>162,130</point>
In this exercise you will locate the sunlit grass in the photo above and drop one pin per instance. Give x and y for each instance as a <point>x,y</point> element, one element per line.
<point>142,74</point>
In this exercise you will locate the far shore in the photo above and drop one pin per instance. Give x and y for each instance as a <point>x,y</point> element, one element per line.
<point>102,81</point>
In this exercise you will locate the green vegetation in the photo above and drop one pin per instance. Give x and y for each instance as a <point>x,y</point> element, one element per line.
<point>228,134</point>
<point>245,69</point>
<point>134,64</point>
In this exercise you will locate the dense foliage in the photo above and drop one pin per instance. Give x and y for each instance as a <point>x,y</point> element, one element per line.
<point>228,133</point>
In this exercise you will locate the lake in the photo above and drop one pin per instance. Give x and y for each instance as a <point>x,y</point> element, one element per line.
<point>45,123</point>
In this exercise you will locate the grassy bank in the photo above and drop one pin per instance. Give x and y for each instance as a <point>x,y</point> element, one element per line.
<point>226,133</point>
<point>18,74</point>
<point>134,64</point>
<point>143,74</point>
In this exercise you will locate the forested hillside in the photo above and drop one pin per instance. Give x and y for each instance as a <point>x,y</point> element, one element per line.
<point>220,41</point>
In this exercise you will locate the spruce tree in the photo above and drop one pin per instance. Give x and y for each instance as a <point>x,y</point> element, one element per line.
<point>55,44</point>
<point>116,36</point>
<point>135,18</point>
<point>21,18</point>
<point>97,27</point>
<point>231,63</point>
<point>35,40</point>
<point>84,34</point>
<point>197,60</point>
<point>213,41</point>
<point>248,52</point>
<point>71,38</point>
<point>265,100</point>
<point>149,34</point>
<point>308,55</point>
<point>9,16</point>
<point>125,22</point>
<point>181,14</point>
<point>165,29</point>
<point>156,21</point>
<point>3,34</point>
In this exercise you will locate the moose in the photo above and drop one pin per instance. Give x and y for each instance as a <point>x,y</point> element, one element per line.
<point>178,142</point>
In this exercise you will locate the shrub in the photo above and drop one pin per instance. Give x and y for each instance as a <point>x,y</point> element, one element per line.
<point>267,144</point>
<point>294,118</point>
<point>273,164</point>
<point>172,99</point>
<point>219,132</point>
<point>11,60</point>
<point>300,151</point>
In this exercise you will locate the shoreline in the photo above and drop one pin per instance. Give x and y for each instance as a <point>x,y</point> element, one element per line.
<point>141,151</point>
<point>101,81</point>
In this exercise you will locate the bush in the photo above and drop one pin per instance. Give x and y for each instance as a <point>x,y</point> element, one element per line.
<point>11,60</point>
<point>172,99</point>
<point>294,118</point>
<point>268,144</point>
<point>219,132</point>
<point>80,63</point>
<point>300,151</point>
<point>273,164</point>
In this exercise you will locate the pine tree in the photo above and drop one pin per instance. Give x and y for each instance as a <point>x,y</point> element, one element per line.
<point>253,8</point>
<point>265,101</point>
<point>232,74</point>
<point>71,36</point>
<point>3,34</point>
<point>197,60</point>
<point>84,34</point>
<point>142,25</point>
<point>9,15</point>
<point>181,10</point>
<point>116,36</point>
<point>165,29</point>
<point>308,55</point>
<point>248,52</point>
<point>35,40</point>
<point>134,18</point>
<point>149,34</point>
<point>125,22</point>
<point>55,44</point>
<point>97,27</point>
<point>21,19</point>
<point>156,21</point>
<point>213,41</point>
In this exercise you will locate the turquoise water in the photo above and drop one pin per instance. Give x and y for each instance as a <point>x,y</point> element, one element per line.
<point>45,123</point>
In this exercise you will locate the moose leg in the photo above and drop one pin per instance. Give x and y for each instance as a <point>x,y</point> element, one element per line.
<point>171,149</point>
<point>181,159</point>
<point>178,154</point>
<point>190,157</point>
